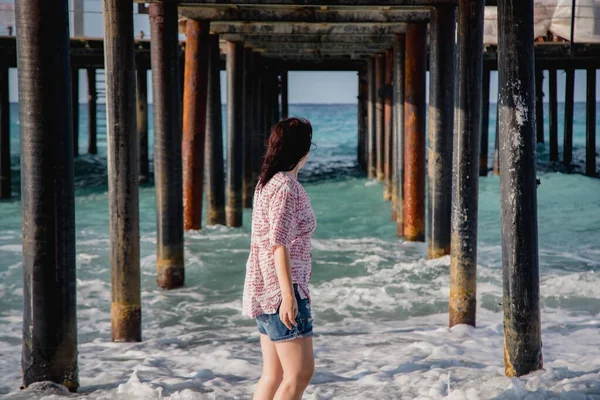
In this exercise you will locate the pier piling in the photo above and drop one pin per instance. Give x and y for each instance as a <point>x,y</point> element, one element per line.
<point>47,194</point>
<point>399,82</point>
<point>142,122</point>
<point>284,94</point>
<point>379,114</point>
<point>465,164</point>
<point>122,141</point>
<point>75,112</point>
<point>5,173</point>
<point>568,135</point>
<point>167,144</point>
<point>553,117</point>
<point>441,123</point>
<point>371,120</point>
<point>497,144</point>
<point>249,130</point>
<point>362,120</point>
<point>235,133</point>
<point>194,121</point>
<point>518,198</point>
<point>215,175</point>
<point>590,123</point>
<point>539,103</point>
<point>414,133</point>
<point>485,122</point>
<point>92,112</point>
<point>388,125</point>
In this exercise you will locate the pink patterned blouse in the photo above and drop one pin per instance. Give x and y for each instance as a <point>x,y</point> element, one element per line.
<point>282,215</point>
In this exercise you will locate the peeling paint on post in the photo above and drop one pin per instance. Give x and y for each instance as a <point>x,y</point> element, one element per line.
<point>414,133</point>
<point>371,122</point>
<point>590,123</point>
<point>388,125</point>
<point>553,117</point>
<point>441,123</point>
<point>399,65</point>
<point>520,270</point>
<point>379,115</point>
<point>167,144</point>
<point>194,122</point>
<point>465,164</point>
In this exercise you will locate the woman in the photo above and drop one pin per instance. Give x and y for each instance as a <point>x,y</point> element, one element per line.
<point>279,267</point>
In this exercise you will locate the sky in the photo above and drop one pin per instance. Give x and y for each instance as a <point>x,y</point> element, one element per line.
<point>304,87</point>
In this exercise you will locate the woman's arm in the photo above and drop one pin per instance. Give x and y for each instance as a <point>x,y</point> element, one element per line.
<point>283,268</point>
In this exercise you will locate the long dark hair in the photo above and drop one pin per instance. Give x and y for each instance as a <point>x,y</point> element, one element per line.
<point>289,142</point>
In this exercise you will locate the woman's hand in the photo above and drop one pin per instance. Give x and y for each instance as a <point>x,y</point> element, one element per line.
<point>288,311</point>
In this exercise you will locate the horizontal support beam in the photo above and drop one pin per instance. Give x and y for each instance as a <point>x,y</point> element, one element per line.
<point>309,38</point>
<point>303,14</point>
<point>266,28</point>
<point>324,47</point>
<point>313,3</point>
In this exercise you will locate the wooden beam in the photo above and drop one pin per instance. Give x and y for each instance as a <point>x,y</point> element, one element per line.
<point>284,48</point>
<point>313,3</point>
<point>304,14</point>
<point>269,28</point>
<point>310,38</point>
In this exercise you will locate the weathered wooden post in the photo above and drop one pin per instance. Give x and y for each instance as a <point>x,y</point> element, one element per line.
<point>258,142</point>
<point>379,114</point>
<point>47,193</point>
<point>590,131</point>
<point>248,128</point>
<point>361,122</point>
<point>5,174</point>
<point>553,117</point>
<point>194,121</point>
<point>215,175</point>
<point>399,84</point>
<point>539,103</point>
<point>167,144</point>
<point>441,123</point>
<point>387,126</point>
<point>284,94</point>
<point>142,121</point>
<point>465,166</point>
<point>235,133</point>
<point>92,112</point>
<point>75,105</point>
<point>119,56</point>
<point>485,122</point>
<point>518,201</point>
<point>497,143</point>
<point>371,121</point>
<point>414,132</point>
<point>568,136</point>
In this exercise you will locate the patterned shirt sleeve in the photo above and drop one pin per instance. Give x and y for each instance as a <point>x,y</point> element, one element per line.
<point>282,216</point>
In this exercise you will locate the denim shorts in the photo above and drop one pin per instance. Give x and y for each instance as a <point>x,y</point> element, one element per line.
<point>271,325</point>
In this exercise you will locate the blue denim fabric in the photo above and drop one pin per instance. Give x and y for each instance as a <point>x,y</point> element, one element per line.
<point>271,325</point>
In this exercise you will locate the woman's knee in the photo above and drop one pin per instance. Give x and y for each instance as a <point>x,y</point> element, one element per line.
<point>273,380</point>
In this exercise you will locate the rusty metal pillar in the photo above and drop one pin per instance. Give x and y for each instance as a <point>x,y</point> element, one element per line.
<point>414,132</point>
<point>371,121</point>
<point>49,350</point>
<point>194,121</point>
<point>249,127</point>
<point>5,173</point>
<point>553,117</point>
<point>399,83</point>
<point>590,123</point>
<point>568,136</point>
<point>235,133</point>
<point>539,103</point>
<point>167,144</point>
<point>284,94</point>
<point>92,112</point>
<point>122,140</point>
<point>379,114</point>
<point>441,124</point>
<point>388,126</point>
<point>485,122</point>
<point>465,165</point>
<point>215,175</point>
<point>142,121</point>
<point>518,197</point>
<point>75,112</point>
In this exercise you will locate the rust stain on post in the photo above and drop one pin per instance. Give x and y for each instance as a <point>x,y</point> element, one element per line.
<point>194,121</point>
<point>387,117</point>
<point>126,320</point>
<point>170,271</point>
<point>463,286</point>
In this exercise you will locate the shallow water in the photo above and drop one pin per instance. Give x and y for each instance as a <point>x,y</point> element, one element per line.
<point>380,309</point>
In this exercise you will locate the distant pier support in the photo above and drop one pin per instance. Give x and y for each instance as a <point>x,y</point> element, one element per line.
<point>215,174</point>
<point>362,120</point>
<point>441,123</point>
<point>235,133</point>
<point>249,130</point>
<point>167,144</point>
<point>142,122</point>
<point>47,194</point>
<point>194,121</point>
<point>284,94</point>
<point>539,103</point>
<point>590,132</point>
<point>92,112</point>
<point>399,84</point>
<point>485,123</point>
<point>465,167</point>
<point>414,132</point>
<point>388,126</point>
<point>5,174</point>
<point>568,135</point>
<point>75,105</point>
<point>518,198</point>
<point>553,117</point>
<point>371,121</point>
<point>119,56</point>
<point>379,114</point>
<point>497,144</point>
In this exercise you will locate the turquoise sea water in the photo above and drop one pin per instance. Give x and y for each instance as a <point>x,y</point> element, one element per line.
<point>380,308</point>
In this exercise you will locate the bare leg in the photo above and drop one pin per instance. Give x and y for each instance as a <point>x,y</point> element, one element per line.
<point>298,363</point>
<point>272,373</point>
